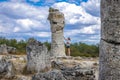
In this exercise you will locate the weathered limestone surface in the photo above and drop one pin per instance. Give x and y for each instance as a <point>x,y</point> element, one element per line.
<point>51,75</point>
<point>109,61</point>
<point>37,56</point>
<point>65,73</point>
<point>57,23</point>
<point>70,68</point>
<point>4,49</point>
<point>7,69</point>
<point>110,40</point>
<point>11,49</point>
<point>110,17</point>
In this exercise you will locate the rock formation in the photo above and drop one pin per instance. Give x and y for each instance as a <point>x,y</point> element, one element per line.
<point>7,69</point>
<point>37,56</point>
<point>62,68</point>
<point>57,23</point>
<point>11,49</point>
<point>110,40</point>
<point>4,49</point>
<point>51,75</point>
<point>66,73</point>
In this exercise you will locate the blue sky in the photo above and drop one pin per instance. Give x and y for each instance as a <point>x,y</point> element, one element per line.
<point>22,19</point>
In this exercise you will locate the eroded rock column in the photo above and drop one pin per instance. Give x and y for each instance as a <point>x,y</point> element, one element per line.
<point>38,58</point>
<point>110,40</point>
<point>57,23</point>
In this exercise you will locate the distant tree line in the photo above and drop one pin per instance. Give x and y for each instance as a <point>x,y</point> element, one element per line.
<point>77,49</point>
<point>19,45</point>
<point>83,49</point>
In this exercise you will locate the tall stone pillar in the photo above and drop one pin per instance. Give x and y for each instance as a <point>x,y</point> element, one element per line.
<point>57,23</point>
<point>110,40</point>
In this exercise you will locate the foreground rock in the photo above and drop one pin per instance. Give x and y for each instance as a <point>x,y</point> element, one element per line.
<point>38,58</point>
<point>7,69</point>
<point>69,69</point>
<point>4,49</point>
<point>75,73</point>
<point>51,75</point>
<point>61,68</point>
<point>57,22</point>
<point>110,40</point>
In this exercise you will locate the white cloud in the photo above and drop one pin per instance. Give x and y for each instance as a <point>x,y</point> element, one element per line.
<point>16,29</point>
<point>85,30</point>
<point>95,37</point>
<point>35,1</point>
<point>87,23</point>
<point>25,22</point>
<point>2,29</point>
<point>75,14</point>
<point>92,7</point>
<point>40,34</point>
<point>17,0</point>
<point>21,17</point>
<point>90,41</point>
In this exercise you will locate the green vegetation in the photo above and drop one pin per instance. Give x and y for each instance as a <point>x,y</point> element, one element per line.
<point>77,49</point>
<point>19,45</point>
<point>82,49</point>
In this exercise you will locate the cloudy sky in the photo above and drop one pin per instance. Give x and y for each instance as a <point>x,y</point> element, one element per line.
<point>22,19</point>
